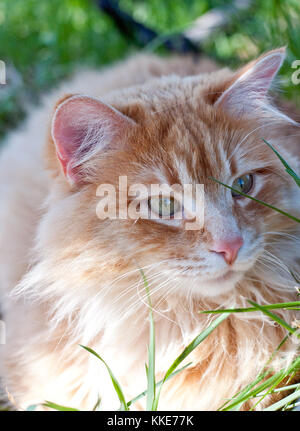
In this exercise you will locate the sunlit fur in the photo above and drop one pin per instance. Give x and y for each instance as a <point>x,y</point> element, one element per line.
<point>68,278</point>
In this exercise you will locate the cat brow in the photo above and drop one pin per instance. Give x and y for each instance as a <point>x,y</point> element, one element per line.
<point>187,99</point>
<point>247,136</point>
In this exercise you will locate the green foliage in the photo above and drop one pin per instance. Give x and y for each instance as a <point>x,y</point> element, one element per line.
<point>264,384</point>
<point>44,41</point>
<point>116,384</point>
<point>266,25</point>
<point>151,393</point>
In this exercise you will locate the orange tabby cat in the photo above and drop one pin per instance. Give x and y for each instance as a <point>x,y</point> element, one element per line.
<point>68,277</point>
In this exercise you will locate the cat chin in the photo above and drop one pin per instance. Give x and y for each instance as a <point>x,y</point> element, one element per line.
<point>217,287</point>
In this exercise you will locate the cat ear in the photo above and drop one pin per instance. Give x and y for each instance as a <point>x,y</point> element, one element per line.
<point>82,126</point>
<point>247,94</point>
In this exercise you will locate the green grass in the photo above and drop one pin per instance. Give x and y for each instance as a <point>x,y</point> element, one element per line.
<point>151,393</point>
<point>44,41</point>
<point>265,384</point>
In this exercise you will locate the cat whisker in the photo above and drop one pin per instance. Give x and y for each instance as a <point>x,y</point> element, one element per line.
<point>154,308</point>
<point>275,262</point>
<point>148,277</point>
<point>249,134</point>
<point>283,234</point>
<point>271,256</point>
<point>153,291</point>
<point>135,285</point>
<point>127,274</point>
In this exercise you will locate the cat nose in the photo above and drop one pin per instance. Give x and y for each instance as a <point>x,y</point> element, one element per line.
<point>228,248</point>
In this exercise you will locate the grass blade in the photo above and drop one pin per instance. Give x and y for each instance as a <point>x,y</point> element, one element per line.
<point>288,169</point>
<point>294,277</point>
<point>97,405</point>
<point>273,316</point>
<point>55,406</point>
<point>241,396</point>
<point>272,381</point>
<point>115,382</point>
<point>150,367</point>
<point>238,399</point>
<point>257,200</point>
<point>280,305</point>
<point>30,408</point>
<point>142,394</point>
<point>281,403</point>
<point>192,346</point>
<point>269,390</point>
<point>258,389</point>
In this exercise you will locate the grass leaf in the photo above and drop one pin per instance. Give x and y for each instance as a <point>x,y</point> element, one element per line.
<point>55,406</point>
<point>97,405</point>
<point>273,316</point>
<point>288,169</point>
<point>142,394</point>
<point>150,367</point>
<point>192,346</point>
<point>115,382</point>
<point>281,403</point>
<point>30,408</point>
<point>257,200</point>
<point>280,305</point>
<point>243,395</point>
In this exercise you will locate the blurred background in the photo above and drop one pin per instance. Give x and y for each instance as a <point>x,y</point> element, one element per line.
<point>43,41</point>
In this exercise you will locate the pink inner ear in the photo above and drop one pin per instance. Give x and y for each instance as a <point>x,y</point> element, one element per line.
<point>252,83</point>
<point>261,75</point>
<point>82,126</point>
<point>66,133</point>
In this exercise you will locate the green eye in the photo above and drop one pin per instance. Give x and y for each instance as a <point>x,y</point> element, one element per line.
<point>164,207</point>
<point>242,184</point>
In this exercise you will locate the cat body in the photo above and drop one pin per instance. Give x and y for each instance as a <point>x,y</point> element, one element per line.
<point>68,278</point>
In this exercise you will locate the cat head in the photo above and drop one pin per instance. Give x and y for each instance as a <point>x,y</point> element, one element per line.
<point>180,131</point>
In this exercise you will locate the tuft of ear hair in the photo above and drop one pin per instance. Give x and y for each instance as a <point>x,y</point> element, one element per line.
<point>82,127</point>
<point>247,93</point>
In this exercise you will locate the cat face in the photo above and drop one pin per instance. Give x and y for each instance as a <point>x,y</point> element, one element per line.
<point>183,131</point>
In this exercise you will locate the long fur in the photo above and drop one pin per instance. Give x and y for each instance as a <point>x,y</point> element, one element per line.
<point>67,278</point>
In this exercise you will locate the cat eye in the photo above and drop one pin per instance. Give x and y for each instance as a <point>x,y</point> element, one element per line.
<point>164,207</point>
<point>242,184</point>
